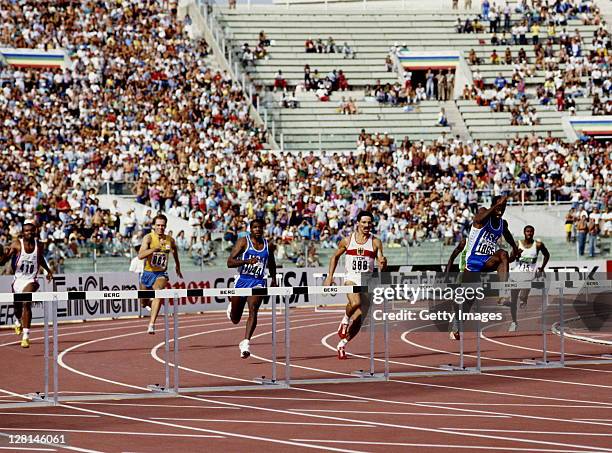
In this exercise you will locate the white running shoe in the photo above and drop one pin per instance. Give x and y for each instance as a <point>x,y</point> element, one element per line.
<point>151,329</point>
<point>341,348</point>
<point>513,327</point>
<point>228,311</point>
<point>244,349</point>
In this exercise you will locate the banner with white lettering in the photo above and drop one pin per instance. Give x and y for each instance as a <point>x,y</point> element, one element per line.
<point>123,281</point>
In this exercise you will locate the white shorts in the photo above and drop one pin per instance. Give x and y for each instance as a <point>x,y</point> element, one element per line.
<point>19,284</point>
<point>354,279</point>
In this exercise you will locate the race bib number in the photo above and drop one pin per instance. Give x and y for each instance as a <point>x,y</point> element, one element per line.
<point>360,265</point>
<point>159,260</point>
<point>253,269</point>
<point>27,267</point>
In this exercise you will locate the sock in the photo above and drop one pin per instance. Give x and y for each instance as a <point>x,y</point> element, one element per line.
<point>17,322</point>
<point>26,333</point>
<point>342,343</point>
<point>346,319</point>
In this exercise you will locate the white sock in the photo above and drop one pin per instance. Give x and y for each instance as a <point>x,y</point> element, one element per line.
<point>26,333</point>
<point>346,319</point>
<point>342,343</point>
<point>17,322</point>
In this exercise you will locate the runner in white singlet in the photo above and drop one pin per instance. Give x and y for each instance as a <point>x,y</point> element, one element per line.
<point>27,256</point>
<point>525,268</point>
<point>361,250</point>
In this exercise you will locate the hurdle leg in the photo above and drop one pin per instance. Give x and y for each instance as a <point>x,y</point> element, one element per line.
<point>287,342</point>
<point>55,352</point>
<point>562,327</point>
<point>176,342</point>
<point>167,343</point>
<point>386,338</point>
<point>46,333</point>
<point>273,302</point>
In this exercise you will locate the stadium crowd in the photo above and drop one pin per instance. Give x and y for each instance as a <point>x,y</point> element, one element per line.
<point>142,111</point>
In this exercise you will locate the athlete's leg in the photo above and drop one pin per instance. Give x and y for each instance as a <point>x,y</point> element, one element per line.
<point>500,262</point>
<point>254,303</point>
<point>144,302</point>
<point>237,304</point>
<point>355,309</point>
<point>26,317</point>
<point>514,296</point>
<point>523,297</point>
<point>160,283</point>
<point>18,311</point>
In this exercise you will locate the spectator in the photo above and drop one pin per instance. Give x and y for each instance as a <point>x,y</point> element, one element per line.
<point>279,81</point>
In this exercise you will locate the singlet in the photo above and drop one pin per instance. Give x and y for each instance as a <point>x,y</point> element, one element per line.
<point>360,257</point>
<point>482,242</point>
<point>158,261</point>
<point>26,265</point>
<point>257,270</point>
<point>529,258</point>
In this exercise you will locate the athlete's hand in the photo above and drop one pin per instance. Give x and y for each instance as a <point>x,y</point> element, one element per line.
<point>382,263</point>
<point>178,272</point>
<point>273,282</point>
<point>328,281</point>
<point>540,272</point>
<point>49,276</point>
<point>502,201</point>
<point>517,253</point>
<point>252,260</point>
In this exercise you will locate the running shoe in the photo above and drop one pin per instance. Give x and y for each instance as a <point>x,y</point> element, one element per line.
<point>25,342</point>
<point>18,328</point>
<point>341,348</point>
<point>343,330</point>
<point>151,329</point>
<point>244,349</point>
<point>513,327</point>
<point>454,335</point>
<point>228,311</point>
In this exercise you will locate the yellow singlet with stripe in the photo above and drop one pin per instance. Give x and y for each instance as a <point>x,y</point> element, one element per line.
<point>158,261</point>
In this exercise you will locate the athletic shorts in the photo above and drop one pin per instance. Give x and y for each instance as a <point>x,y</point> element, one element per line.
<point>148,278</point>
<point>476,263</point>
<point>247,282</point>
<point>19,284</point>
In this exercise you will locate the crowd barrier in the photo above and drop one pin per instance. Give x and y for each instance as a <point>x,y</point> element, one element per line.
<point>558,286</point>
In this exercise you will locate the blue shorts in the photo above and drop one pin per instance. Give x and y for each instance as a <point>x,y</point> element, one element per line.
<point>249,282</point>
<point>148,278</point>
<point>476,263</point>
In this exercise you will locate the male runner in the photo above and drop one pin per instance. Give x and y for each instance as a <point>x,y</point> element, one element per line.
<point>252,254</point>
<point>155,250</point>
<point>27,256</point>
<point>482,254</point>
<point>361,249</point>
<point>525,269</point>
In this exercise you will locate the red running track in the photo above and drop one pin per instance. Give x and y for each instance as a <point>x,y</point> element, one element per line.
<point>545,410</point>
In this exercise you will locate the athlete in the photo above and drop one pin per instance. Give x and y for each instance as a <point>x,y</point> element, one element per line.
<point>362,249</point>
<point>252,254</point>
<point>525,269</point>
<point>27,257</point>
<point>155,251</point>
<point>482,251</point>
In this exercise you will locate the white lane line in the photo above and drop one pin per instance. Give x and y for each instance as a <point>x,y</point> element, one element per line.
<point>595,419</point>
<point>331,400</point>
<point>127,433</point>
<point>553,433</point>
<point>182,406</point>
<point>192,428</point>
<point>417,428</point>
<point>400,413</point>
<point>470,447</point>
<point>42,414</point>
<point>110,414</point>
<point>27,449</point>
<point>555,381</point>
<point>155,355</point>
<point>265,422</point>
<point>497,393</point>
<point>514,404</point>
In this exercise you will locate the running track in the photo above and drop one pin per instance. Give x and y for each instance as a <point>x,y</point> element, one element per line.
<point>551,410</point>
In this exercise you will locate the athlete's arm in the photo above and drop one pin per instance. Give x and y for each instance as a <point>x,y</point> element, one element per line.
<point>176,258</point>
<point>145,251</point>
<point>454,255</point>
<point>510,240</point>
<point>483,214</point>
<point>272,264</point>
<point>542,248</point>
<point>239,247</point>
<point>382,259</point>
<point>43,262</point>
<point>333,262</point>
<point>13,250</point>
